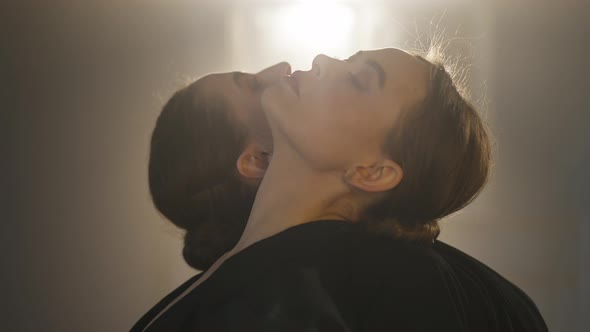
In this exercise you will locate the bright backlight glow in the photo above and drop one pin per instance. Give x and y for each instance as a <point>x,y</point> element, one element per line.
<point>313,27</point>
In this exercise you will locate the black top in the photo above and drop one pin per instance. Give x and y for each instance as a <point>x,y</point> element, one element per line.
<point>332,276</point>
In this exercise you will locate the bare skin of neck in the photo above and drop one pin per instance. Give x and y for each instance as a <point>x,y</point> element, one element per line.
<point>291,194</point>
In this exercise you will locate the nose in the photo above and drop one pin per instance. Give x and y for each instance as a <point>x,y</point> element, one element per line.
<point>273,73</point>
<point>322,65</point>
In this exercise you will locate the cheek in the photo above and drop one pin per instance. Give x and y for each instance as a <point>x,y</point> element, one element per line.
<point>356,125</point>
<point>248,110</point>
<point>345,133</point>
<point>257,124</point>
<point>334,98</point>
<point>342,109</point>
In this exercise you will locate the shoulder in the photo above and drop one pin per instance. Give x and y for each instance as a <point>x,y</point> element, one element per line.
<point>487,291</point>
<point>374,266</point>
<point>163,303</point>
<point>380,258</point>
<point>389,282</point>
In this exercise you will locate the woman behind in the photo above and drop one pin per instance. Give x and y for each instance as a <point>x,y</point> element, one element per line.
<point>205,131</point>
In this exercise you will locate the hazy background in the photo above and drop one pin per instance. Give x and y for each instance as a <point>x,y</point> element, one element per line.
<point>82,83</point>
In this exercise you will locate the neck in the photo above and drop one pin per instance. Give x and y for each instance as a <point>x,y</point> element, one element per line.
<point>292,194</point>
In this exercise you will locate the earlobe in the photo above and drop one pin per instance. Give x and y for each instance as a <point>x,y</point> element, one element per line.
<point>253,162</point>
<point>377,178</point>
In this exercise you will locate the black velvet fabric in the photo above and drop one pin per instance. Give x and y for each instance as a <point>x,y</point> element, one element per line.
<point>332,276</point>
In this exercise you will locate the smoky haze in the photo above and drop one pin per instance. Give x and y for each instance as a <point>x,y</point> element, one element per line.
<point>83,83</point>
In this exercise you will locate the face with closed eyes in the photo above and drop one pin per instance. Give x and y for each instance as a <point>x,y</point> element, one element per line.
<point>241,92</point>
<point>338,113</point>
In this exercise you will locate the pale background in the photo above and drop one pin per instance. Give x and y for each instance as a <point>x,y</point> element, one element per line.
<point>82,83</point>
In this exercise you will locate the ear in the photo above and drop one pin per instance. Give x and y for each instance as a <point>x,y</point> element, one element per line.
<point>380,177</point>
<point>253,161</point>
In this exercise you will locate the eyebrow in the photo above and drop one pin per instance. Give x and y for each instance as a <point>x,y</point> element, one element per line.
<point>380,71</point>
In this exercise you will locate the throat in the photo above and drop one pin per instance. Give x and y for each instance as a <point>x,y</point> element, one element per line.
<point>289,196</point>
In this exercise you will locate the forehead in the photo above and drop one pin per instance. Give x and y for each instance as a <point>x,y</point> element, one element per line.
<point>212,89</point>
<point>406,74</point>
<point>221,88</point>
<point>393,57</point>
<point>214,84</point>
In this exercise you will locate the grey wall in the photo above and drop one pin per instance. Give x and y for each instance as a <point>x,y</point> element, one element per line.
<point>535,222</point>
<point>81,86</point>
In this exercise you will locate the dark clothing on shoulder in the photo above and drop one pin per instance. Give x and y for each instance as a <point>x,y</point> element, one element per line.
<point>332,276</point>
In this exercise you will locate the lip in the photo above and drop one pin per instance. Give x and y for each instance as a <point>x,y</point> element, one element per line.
<point>293,83</point>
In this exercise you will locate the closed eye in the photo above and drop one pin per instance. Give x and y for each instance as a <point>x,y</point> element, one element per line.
<point>356,82</point>
<point>246,80</point>
<point>254,83</point>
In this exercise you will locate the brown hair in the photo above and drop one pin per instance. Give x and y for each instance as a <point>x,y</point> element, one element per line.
<point>442,145</point>
<point>193,180</point>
